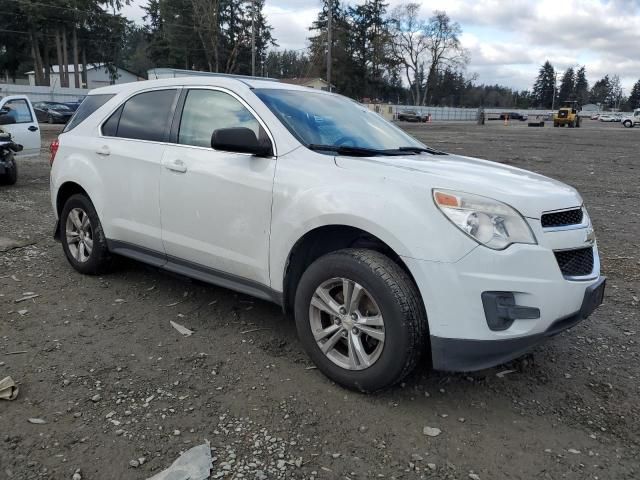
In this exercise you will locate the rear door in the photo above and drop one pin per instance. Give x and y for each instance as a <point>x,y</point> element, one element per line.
<point>18,118</point>
<point>128,156</point>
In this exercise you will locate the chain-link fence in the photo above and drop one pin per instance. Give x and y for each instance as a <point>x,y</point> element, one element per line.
<point>450,114</point>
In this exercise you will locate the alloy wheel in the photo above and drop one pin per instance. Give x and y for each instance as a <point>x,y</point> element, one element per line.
<point>347,324</point>
<point>79,235</point>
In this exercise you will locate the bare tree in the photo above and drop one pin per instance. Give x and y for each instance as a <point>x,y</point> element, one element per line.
<point>444,48</point>
<point>425,48</point>
<point>207,25</point>
<point>409,43</point>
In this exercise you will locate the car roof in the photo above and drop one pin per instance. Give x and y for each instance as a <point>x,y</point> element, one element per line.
<point>212,80</point>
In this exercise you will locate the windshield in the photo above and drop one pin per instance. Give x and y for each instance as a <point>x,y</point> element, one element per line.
<point>317,119</point>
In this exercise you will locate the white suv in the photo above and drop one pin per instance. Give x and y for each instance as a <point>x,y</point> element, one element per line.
<point>382,248</point>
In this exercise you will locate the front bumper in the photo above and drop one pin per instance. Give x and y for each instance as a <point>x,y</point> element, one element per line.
<point>461,336</point>
<point>464,355</point>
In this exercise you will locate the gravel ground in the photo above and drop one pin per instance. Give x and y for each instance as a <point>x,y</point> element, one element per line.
<point>123,394</point>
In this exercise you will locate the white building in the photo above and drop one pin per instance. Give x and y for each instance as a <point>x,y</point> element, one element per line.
<point>97,76</point>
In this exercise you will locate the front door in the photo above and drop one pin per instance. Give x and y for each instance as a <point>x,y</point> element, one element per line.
<point>215,205</point>
<point>18,118</point>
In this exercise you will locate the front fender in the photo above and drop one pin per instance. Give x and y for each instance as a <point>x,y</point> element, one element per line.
<point>399,213</point>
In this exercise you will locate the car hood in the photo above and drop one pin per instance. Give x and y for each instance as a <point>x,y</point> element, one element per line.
<point>530,193</point>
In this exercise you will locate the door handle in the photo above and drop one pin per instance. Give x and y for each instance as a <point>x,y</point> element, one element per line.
<point>33,128</point>
<point>104,151</point>
<point>176,166</point>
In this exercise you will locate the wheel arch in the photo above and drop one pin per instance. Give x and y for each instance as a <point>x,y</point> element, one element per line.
<point>325,239</point>
<point>66,190</point>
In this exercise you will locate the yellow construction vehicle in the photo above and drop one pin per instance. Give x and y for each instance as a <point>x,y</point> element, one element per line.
<point>567,115</point>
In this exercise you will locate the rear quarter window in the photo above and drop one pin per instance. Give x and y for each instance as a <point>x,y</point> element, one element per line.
<point>90,104</point>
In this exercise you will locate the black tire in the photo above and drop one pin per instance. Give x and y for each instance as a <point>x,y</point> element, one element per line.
<point>628,124</point>
<point>11,176</point>
<point>405,320</point>
<point>98,260</point>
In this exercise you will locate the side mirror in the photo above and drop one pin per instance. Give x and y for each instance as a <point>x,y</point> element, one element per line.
<point>240,140</point>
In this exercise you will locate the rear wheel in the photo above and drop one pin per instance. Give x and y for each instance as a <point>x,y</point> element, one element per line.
<point>83,239</point>
<point>360,318</point>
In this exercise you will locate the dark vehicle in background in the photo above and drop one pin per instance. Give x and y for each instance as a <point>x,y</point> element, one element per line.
<point>52,112</point>
<point>8,167</point>
<point>412,116</point>
<point>513,116</point>
<point>73,106</point>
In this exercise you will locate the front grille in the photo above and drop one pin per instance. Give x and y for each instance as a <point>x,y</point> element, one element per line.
<point>563,218</point>
<point>575,263</point>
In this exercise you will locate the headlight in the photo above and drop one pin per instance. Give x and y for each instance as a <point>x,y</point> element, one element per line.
<point>489,222</point>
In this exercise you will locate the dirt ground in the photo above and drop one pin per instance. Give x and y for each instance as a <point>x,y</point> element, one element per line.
<point>123,394</point>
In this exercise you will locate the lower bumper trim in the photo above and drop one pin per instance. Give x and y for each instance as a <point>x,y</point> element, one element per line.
<point>466,355</point>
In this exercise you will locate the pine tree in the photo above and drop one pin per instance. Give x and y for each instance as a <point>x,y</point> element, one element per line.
<point>544,87</point>
<point>634,98</point>
<point>582,86</point>
<point>567,86</point>
<point>601,91</point>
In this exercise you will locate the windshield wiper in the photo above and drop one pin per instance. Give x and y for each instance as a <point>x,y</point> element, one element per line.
<point>352,151</point>
<point>430,150</point>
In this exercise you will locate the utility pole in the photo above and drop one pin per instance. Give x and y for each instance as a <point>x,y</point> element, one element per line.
<point>329,42</point>
<point>553,100</point>
<point>253,38</point>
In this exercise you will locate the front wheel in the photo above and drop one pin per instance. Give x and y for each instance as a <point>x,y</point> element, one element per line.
<point>83,239</point>
<point>628,123</point>
<point>360,318</point>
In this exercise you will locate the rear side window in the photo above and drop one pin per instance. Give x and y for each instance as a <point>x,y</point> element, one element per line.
<point>110,127</point>
<point>89,105</point>
<point>146,116</point>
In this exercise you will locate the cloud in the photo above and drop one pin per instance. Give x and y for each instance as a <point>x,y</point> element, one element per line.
<point>508,39</point>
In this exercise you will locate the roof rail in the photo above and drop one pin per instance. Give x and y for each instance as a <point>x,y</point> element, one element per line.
<point>156,73</point>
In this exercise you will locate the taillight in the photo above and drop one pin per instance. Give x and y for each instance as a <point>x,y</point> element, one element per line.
<point>53,148</point>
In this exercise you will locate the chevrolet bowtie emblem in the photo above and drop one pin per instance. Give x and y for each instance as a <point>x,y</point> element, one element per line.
<point>590,236</point>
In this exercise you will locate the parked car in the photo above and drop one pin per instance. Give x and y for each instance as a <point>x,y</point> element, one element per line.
<point>513,116</point>
<point>412,116</point>
<point>52,112</point>
<point>630,121</point>
<point>18,118</point>
<point>383,249</point>
<point>73,106</point>
<point>19,135</point>
<point>595,116</point>
<point>607,117</point>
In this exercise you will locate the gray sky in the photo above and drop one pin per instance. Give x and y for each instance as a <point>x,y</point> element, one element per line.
<point>508,39</point>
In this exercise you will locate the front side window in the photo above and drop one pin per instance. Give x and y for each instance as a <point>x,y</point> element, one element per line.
<point>208,110</point>
<point>333,120</point>
<point>19,111</point>
<point>146,116</point>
